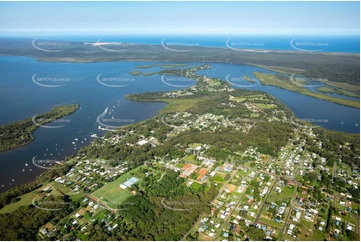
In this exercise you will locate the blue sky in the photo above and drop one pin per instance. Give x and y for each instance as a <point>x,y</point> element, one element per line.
<point>283,18</point>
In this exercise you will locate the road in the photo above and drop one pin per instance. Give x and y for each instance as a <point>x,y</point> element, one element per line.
<point>266,199</point>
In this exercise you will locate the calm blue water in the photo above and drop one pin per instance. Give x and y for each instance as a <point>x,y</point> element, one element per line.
<point>350,44</point>
<point>97,86</point>
<point>20,98</point>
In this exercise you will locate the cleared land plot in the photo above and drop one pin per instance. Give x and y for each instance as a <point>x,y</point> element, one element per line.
<point>306,230</point>
<point>318,236</point>
<point>112,193</point>
<point>218,178</point>
<point>189,158</point>
<point>287,193</point>
<point>264,106</point>
<point>24,201</point>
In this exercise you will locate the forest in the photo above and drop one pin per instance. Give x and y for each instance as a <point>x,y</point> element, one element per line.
<point>20,133</point>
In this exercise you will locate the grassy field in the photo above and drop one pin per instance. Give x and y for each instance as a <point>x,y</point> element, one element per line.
<point>272,80</point>
<point>284,70</point>
<point>318,236</point>
<point>346,86</point>
<point>24,201</point>
<point>55,185</point>
<point>203,237</point>
<point>218,178</point>
<point>190,158</point>
<point>328,89</point>
<point>112,193</point>
<point>264,106</point>
<point>195,186</point>
<point>306,230</point>
<point>194,145</point>
<point>265,219</point>
<point>180,105</point>
<point>286,193</point>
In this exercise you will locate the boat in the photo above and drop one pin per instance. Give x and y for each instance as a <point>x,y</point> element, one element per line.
<point>30,169</point>
<point>342,122</point>
<point>13,179</point>
<point>356,125</point>
<point>76,139</point>
<point>23,169</point>
<point>73,143</point>
<point>26,164</point>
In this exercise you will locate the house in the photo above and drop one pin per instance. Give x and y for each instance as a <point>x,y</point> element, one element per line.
<point>43,231</point>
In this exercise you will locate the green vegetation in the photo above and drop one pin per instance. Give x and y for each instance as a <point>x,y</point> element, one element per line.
<point>135,73</point>
<point>328,89</point>
<point>20,133</point>
<point>247,78</point>
<point>164,66</point>
<point>112,194</point>
<point>285,83</point>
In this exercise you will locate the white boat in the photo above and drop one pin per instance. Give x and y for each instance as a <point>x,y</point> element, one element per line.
<point>73,143</point>
<point>76,139</point>
<point>26,164</point>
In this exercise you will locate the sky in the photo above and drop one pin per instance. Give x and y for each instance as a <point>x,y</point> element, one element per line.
<point>281,18</point>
